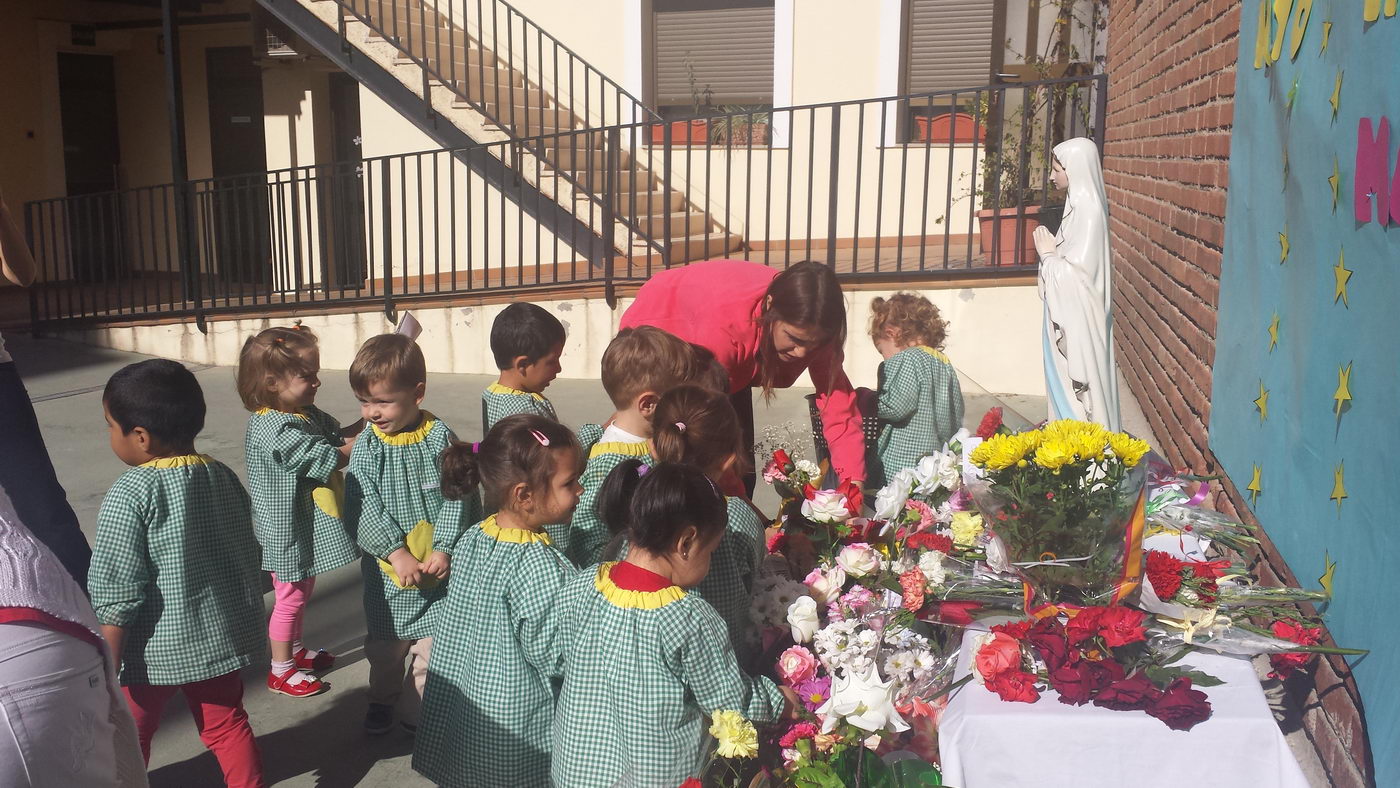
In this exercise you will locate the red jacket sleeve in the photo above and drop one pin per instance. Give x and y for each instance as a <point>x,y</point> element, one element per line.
<point>841,421</point>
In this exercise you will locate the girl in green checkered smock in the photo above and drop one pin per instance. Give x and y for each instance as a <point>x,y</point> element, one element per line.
<point>698,426</point>
<point>920,398</point>
<point>645,662</point>
<point>488,703</point>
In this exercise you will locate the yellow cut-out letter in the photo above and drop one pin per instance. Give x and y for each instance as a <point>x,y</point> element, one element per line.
<point>1302,11</point>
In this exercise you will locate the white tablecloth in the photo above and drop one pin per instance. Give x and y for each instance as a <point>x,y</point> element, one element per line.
<point>986,742</point>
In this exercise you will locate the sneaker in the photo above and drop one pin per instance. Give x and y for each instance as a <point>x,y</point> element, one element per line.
<point>285,684</point>
<point>379,719</point>
<point>319,660</point>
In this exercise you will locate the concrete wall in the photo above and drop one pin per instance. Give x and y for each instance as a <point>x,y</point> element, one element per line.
<point>993,336</point>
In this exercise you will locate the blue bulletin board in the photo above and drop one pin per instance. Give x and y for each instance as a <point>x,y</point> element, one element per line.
<point>1305,402</point>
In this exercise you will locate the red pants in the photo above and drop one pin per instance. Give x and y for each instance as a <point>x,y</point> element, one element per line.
<point>217,707</point>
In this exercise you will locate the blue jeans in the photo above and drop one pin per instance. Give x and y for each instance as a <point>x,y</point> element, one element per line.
<point>27,477</point>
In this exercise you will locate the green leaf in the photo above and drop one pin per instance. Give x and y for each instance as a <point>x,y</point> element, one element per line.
<point>1200,679</point>
<point>873,771</point>
<point>817,775</point>
<point>1162,676</point>
<point>915,773</point>
<point>1178,655</point>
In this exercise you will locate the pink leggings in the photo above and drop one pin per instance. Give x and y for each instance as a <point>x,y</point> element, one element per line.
<point>288,609</point>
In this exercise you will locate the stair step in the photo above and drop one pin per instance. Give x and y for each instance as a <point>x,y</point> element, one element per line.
<point>650,202</point>
<point>624,181</point>
<point>682,223</point>
<point>699,247</point>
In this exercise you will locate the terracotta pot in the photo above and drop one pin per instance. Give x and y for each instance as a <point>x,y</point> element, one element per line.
<point>1010,249</point>
<point>683,132</point>
<point>939,129</point>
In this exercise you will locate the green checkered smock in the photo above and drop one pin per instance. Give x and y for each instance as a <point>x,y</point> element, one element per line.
<point>392,484</point>
<point>175,565</point>
<point>729,585</point>
<point>585,538</point>
<point>488,703</point>
<point>588,435</point>
<point>921,407</point>
<point>643,672</point>
<point>499,401</point>
<point>297,492</point>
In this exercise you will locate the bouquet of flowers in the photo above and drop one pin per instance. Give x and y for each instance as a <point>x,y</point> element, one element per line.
<point>790,477</point>
<point>929,507</point>
<point>1064,503</point>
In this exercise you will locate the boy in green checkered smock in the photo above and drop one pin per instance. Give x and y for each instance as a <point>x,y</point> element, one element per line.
<point>645,663</point>
<point>920,398</point>
<point>639,366</point>
<point>526,341</point>
<point>406,528</point>
<point>174,577</point>
<point>294,452</point>
<point>697,426</point>
<point>488,703</point>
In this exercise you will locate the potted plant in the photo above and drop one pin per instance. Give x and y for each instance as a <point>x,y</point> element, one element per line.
<point>741,126</point>
<point>696,130</point>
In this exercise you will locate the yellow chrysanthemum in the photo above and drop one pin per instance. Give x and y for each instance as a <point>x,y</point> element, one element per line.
<point>967,526</point>
<point>1090,444</point>
<point>1128,449</point>
<point>998,452</point>
<point>735,735</point>
<point>1054,454</point>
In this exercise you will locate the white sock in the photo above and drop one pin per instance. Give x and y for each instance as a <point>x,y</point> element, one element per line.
<point>296,648</point>
<point>278,668</point>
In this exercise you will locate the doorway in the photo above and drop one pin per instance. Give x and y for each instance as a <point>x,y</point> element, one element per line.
<point>348,266</point>
<point>87,96</point>
<point>235,204</point>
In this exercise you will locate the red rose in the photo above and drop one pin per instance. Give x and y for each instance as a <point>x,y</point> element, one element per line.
<point>1015,629</point>
<point>930,541</point>
<point>955,613</point>
<point>1015,686</point>
<point>1079,682</point>
<point>1164,572</point>
<point>1181,707</point>
<point>1129,694</point>
<point>808,491</point>
<point>1084,625</point>
<point>1285,664</point>
<point>782,460</point>
<point>692,782</point>
<point>1001,654</point>
<point>1048,638</point>
<point>991,423</point>
<point>1120,625</point>
<point>855,500</point>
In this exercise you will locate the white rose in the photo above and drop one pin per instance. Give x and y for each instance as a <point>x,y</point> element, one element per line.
<point>826,506</point>
<point>889,501</point>
<point>825,583</point>
<point>808,467</point>
<point>802,617</point>
<point>931,564</point>
<point>859,559</point>
<point>941,469</point>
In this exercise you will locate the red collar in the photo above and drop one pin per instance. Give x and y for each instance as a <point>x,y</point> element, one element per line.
<point>630,577</point>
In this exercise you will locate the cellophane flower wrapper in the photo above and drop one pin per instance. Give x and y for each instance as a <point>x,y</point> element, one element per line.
<point>1220,633</point>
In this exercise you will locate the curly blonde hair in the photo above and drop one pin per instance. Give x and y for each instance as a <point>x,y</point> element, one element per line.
<point>913,318</point>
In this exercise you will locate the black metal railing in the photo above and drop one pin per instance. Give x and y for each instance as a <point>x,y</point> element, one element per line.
<point>885,189</point>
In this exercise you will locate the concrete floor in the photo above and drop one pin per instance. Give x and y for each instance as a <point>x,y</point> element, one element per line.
<point>318,741</point>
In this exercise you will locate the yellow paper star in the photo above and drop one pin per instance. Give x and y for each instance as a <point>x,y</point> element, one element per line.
<point>1261,37</point>
<point>1262,403</point>
<point>1283,245</point>
<point>1335,181</point>
<point>1302,11</point>
<point>1341,274</point>
<point>1339,488</point>
<point>1372,10</point>
<point>1336,99</point>
<point>1281,10</point>
<point>1326,34</point>
<point>1327,574</point>
<point>1255,487</point>
<point>1273,333</point>
<point>1343,393</point>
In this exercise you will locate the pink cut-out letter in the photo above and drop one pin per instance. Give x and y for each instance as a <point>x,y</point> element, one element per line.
<point>1370,183</point>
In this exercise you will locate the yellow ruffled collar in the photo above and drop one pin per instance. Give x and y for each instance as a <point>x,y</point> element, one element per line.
<point>640,600</point>
<point>512,535</point>
<point>410,437</point>
<point>496,388</point>
<point>265,411</point>
<point>178,462</point>
<point>938,354</point>
<point>642,449</point>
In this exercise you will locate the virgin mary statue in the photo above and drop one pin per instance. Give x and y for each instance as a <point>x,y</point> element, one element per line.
<point>1075,279</point>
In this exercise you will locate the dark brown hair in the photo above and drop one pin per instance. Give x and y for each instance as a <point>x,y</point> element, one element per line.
<point>913,318</point>
<point>807,295</point>
<point>394,358</point>
<point>644,359</point>
<point>510,454</point>
<point>651,507</point>
<point>271,354</point>
<point>696,426</point>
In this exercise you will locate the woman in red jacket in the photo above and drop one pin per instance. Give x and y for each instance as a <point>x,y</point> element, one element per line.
<point>765,327</point>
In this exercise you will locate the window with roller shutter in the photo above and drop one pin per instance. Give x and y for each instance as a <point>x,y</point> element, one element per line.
<point>948,45</point>
<point>726,46</point>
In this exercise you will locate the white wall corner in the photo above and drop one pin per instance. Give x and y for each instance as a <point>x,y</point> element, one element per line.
<point>887,74</point>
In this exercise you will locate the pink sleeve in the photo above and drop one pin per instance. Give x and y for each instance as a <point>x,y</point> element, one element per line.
<point>841,421</point>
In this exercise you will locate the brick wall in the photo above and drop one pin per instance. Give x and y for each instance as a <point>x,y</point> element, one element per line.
<point>1171,67</point>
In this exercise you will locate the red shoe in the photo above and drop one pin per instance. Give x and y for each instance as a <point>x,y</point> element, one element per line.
<point>305,689</point>
<point>321,660</point>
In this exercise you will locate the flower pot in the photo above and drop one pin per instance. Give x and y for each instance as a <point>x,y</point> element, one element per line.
<point>941,129</point>
<point>683,132</point>
<point>1010,249</point>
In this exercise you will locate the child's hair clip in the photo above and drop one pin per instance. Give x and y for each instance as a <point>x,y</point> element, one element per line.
<point>296,325</point>
<point>476,447</point>
<point>539,436</point>
<point>680,425</point>
<point>280,340</point>
<point>643,470</point>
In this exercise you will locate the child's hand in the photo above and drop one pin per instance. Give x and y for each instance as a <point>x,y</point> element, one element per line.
<point>406,567</point>
<point>439,565</point>
<point>793,703</point>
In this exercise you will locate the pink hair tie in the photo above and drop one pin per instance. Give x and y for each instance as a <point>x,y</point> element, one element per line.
<point>643,470</point>
<point>476,447</point>
<point>680,425</point>
<point>539,436</point>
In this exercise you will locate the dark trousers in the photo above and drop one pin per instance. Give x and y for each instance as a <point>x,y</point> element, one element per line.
<point>27,477</point>
<point>743,408</point>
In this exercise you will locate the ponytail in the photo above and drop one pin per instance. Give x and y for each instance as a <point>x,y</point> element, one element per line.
<point>461,470</point>
<point>652,507</point>
<point>697,426</point>
<point>614,500</point>
<point>519,449</point>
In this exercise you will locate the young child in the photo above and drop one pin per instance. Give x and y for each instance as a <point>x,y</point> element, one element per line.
<point>920,399</point>
<point>175,578</point>
<point>402,522</point>
<point>294,452</point>
<point>639,366</point>
<point>698,427</point>
<point>645,664</point>
<point>526,341</point>
<point>488,703</point>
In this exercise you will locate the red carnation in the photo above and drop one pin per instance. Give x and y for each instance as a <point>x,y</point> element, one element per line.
<point>855,501</point>
<point>1136,692</point>
<point>1181,707</point>
<point>1164,572</point>
<point>1120,625</point>
<point>1015,686</point>
<point>1083,626</point>
<point>931,541</point>
<point>782,460</point>
<point>1015,629</point>
<point>991,424</point>
<point>1288,629</point>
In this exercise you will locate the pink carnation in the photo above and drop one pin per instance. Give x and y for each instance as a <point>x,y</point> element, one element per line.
<point>857,599</point>
<point>796,665</point>
<point>798,732</point>
<point>926,514</point>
